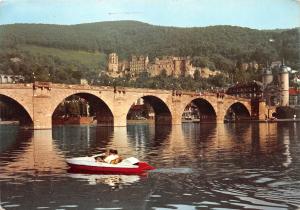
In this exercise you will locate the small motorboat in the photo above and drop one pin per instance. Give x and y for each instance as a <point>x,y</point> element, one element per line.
<point>129,165</point>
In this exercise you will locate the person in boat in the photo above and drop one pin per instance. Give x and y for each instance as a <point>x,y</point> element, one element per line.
<point>113,157</point>
<point>102,156</point>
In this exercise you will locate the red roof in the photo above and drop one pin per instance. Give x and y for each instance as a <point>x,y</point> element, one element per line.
<point>294,91</point>
<point>137,107</point>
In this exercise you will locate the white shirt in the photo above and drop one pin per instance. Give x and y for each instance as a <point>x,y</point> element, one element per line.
<point>110,158</point>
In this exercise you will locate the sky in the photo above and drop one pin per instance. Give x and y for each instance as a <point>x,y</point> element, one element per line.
<point>257,14</point>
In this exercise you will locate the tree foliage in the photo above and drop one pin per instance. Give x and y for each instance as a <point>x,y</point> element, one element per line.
<point>222,48</point>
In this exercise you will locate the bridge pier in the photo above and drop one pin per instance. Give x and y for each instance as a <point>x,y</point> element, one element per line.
<point>42,115</point>
<point>120,121</point>
<point>220,111</point>
<point>220,119</point>
<point>176,120</point>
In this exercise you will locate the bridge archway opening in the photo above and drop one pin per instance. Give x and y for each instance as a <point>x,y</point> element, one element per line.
<point>199,110</point>
<point>82,108</point>
<point>237,112</point>
<point>13,112</point>
<point>149,109</point>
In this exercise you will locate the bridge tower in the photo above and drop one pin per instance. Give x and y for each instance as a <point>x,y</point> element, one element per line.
<point>267,77</point>
<point>283,80</point>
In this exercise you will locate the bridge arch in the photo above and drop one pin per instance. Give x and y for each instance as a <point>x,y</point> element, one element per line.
<point>95,109</point>
<point>162,113</point>
<point>207,112</point>
<point>237,111</point>
<point>12,108</point>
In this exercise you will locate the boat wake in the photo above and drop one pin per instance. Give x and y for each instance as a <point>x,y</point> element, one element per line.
<point>172,170</point>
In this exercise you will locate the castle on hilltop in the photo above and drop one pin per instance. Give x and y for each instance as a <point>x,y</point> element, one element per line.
<point>134,67</point>
<point>176,66</point>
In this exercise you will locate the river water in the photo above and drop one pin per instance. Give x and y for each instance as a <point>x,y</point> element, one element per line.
<point>199,166</point>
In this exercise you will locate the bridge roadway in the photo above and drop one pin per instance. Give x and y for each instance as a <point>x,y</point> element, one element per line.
<point>39,100</point>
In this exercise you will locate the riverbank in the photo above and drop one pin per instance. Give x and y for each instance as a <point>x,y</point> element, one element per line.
<point>136,122</point>
<point>9,122</point>
<point>280,120</point>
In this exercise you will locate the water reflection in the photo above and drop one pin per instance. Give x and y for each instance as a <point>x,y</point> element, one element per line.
<point>144,136</point>
<point>83,139</point>
<point>147,141</point>
<point>115,181</point>
<point>12,137</point>
<point>35,154</point>
<point>233,166</point>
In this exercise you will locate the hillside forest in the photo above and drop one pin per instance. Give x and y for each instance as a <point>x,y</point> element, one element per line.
<point>67,53</point>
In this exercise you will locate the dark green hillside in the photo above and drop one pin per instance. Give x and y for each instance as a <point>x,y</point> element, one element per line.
<point>220,46</point>
<point>130,37</point>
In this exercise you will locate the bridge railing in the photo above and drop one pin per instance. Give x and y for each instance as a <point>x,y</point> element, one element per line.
<point>16,86</point>
<point>221,96</point>
<point>109,88</point>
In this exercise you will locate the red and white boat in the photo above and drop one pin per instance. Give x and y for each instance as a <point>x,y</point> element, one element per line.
<point>88,164</point>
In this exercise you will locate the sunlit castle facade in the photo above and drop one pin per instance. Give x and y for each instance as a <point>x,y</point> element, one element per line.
<point>276,85</point>
<point>138,64</point>
<point>113,62</point>
<point>176,66</point>
<point>134,67</point>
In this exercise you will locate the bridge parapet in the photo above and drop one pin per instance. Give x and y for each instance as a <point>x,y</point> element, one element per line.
<point>237,98</point>
<point>109,88</point>
<point>117,89</point>
<point>78,87</point>
<point>16,86</point>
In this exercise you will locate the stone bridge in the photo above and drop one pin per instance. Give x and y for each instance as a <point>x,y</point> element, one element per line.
<point>39,101</point>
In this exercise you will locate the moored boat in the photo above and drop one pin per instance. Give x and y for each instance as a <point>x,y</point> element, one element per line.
<point>88,164</point>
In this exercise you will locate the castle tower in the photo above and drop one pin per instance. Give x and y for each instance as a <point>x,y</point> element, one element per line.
<point>283,80</point>
<point>179,66</point>
<point>146,61</point>
<point>267,77</point>
<point>113,62</point>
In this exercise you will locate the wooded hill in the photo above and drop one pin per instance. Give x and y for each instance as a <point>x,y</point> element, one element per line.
<point>218,47</point>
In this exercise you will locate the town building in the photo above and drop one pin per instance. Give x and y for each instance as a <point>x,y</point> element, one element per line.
<point>274,86</point>
<point>252,90</point>
<point>141,111</point>
<point>191,113</point>
<point>5,79</point>
<point>294,97</point>
<point>274,89</point>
